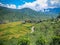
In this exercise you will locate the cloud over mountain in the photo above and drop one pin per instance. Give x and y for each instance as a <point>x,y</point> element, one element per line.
<point>41,4</point>
<point>35,5</point>
<point>8,5</point>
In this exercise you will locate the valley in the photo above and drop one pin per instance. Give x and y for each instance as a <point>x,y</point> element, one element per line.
<point>35,33</point>
<point>28,27</point>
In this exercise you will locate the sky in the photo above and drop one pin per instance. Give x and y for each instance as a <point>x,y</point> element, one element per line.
<point>32,4</point>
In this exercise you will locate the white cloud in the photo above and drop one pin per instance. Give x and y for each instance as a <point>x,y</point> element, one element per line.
<point>11,6</point>
<point>36,5</point>
<point>40,4</point>
<point>1,4</point>
<point>8,5</point>
<point>27,5</point>
<point>54,1</point>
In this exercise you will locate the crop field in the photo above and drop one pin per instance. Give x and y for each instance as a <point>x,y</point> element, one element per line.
<point>45,33</point>
<point>14,29</point>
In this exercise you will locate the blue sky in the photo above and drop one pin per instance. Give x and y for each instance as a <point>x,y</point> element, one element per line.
<point>16,2</point>
<point>33,4</point>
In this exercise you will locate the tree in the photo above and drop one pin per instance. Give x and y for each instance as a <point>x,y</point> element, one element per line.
<point>40,42</point>
<point>56,41</point>
<point>24,42</point>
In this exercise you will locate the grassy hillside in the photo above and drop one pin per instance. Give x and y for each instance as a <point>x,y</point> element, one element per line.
<point>46,33</point>
<point>28,27</point>
<point>11,15</point>
<point>15,29</point>
<point>17,33</point>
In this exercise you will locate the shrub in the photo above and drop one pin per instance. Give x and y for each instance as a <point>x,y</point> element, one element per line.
<point>56,41</point>
<point>24,42</point>
<point>40,42</point>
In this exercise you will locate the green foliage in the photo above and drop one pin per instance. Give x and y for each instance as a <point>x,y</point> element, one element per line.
<point>55,41</point>
<point>46,32</point>
<point>40,41</point>
<point>1,42</point>
<point>9,15</point>
<point>24,42</point>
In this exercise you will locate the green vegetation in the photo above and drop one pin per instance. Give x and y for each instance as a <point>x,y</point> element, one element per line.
<point>12,15</point>
<point>17,33</point>
<point>16,27</point>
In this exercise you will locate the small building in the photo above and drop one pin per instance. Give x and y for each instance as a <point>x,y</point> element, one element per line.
<point>23,22</point>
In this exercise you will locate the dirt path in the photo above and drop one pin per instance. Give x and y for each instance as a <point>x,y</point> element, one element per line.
<point>32,29</point>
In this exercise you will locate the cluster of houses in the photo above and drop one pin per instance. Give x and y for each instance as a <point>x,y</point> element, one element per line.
<point>31,21</point>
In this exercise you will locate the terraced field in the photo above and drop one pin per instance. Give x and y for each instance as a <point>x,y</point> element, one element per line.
<point>15,29</point>
<point>18,33</point>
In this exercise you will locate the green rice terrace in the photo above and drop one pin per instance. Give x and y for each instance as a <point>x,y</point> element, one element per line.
<point>18,33</point>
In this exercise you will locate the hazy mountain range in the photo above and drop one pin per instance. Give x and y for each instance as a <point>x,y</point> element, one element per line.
<point>7,14</point>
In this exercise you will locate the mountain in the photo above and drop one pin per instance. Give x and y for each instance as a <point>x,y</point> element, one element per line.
<point>10,15</point>
<point>53,10</point>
